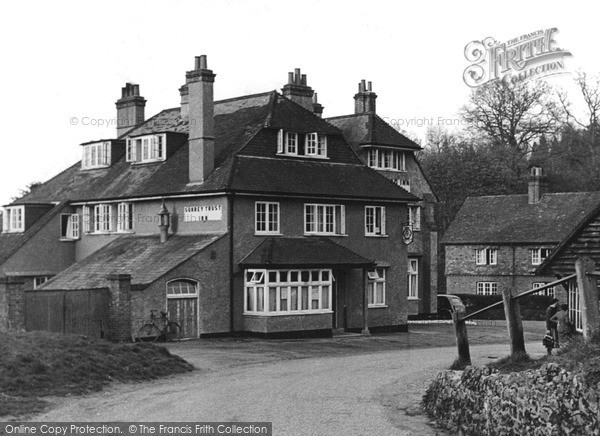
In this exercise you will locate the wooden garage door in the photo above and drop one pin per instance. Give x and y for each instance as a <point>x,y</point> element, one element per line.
<point>182,306</point>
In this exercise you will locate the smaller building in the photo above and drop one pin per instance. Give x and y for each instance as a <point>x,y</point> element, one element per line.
<point>500,241</point>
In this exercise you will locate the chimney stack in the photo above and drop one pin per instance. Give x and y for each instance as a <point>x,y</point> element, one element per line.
<point>298,91</point>
<point>537,185</point>
<point>364,100</point>
<point>130,108</point>
<point>317,107</point>
<point>199,83</point>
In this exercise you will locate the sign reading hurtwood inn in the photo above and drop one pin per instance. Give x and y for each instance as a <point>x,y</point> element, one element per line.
<point>533,55</point>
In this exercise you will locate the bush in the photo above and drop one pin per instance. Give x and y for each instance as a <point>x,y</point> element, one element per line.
<point>545,401</point>
<point>533,307</point>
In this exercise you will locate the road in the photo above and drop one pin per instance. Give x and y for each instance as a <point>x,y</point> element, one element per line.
<point>373,393</point>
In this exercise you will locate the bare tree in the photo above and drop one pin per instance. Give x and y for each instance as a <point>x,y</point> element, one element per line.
<point>513,116</point>
<point>590,91</point>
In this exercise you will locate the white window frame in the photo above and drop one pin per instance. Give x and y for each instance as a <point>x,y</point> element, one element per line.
<point>103,218</point>
<point>537,255</point>
<point>550,292</point>
<point>375,221</point>
<point>269,292</point>
<point>310,144</point>
<point>280,136</point>
<point>486,256</point>
<point>327,219</point>
<point>376,278</point>
<point>413,278</point>
<point>147,149</point>
<point>414,217</point>
<point>125,214</point>
<point>96,155</point>
<point>266,218</point>
<point>86,218</point>
<point>194,283</point>
<point>73,229</point>
<point>39,281</point>
<point>487,288</point>
<point>404,183</point>
<point>13,219</point>
<point>386,159</point>
<point>291,143</point>
<point>322,146</point>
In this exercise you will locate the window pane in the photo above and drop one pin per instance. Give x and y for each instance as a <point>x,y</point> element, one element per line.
<point>294,276</point>
<point>325,276</point>
<point>272,276</point>
<point>314,297</point>
<point>294,298</point>
<point>284,298</point>
<point>260,299</point>
<point>314,276</point>
<point>283,276</point>
<point>304,297</point>
<point>325,296</point>
<point>304,276</point>
<point>272,299</point>
<point>250,299</point>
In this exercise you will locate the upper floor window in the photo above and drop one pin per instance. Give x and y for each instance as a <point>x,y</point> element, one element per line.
<point>125,217</point>
<point>486,256</point>
<point>150,148</point>
<point>69,226</point>
<point>96,155</point>
<point>267,217</point>
<point>13,219</point>
<point>403,183</point>
<point>386,159</point>
<point>548,291</point>
<point>102,218</point>
<point>315,144</point>
<point>325,219</point>
<point>39,281</point>
<point>538,255</point>
<point>376,287</point>
<point>414,217</point>
<point>374,220</point>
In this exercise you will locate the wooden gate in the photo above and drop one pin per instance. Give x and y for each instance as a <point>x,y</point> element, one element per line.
<point>82,312</point>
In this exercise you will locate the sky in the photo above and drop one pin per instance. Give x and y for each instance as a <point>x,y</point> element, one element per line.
<point>64,63</point>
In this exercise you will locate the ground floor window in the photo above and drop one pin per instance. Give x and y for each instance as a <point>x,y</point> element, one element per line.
<point>376,287</point>
<point>287,291</point>
<point>413,278</point>
<point>487,288</point>
<point>548,291</point>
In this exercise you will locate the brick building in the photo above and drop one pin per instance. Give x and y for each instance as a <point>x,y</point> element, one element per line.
<point>500,241</point>
<point>245,215</point>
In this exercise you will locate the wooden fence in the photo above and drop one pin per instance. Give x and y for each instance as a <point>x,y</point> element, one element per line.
<point>583,282</point>
<point>82,312</point>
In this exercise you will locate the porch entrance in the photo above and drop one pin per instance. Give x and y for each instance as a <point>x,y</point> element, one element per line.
<point>182,306</point>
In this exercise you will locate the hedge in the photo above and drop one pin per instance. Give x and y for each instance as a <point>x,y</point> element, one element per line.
<point>533,307</point>
<point>545,401</point>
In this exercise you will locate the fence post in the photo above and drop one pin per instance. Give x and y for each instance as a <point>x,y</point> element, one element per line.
<point>462,340</point>
<point>512,312</point>
<point>588,298</point>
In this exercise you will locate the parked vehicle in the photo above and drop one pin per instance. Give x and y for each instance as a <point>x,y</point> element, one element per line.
<point>447,304</point>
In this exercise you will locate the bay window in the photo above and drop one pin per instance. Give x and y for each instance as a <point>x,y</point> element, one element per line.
<point>285,292</point>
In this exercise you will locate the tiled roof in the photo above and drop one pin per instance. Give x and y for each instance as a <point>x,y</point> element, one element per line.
<point>307,252</point>
<point>504,219</point>
<point>238,122</point>
<point>306,177</point>
<point>144,257</point>
<point>363,129</point>
<point>11,242</point>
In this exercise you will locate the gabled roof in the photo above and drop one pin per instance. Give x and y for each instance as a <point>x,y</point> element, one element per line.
<point>563,247</point>
<point>11,242</point>
<point>144,257</point>
<point>371,129</point>
<point>237,124</point>
<point>298,252</point>
<point>506,219</point>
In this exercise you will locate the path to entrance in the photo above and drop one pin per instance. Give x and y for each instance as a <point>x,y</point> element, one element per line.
<point>343,386</point>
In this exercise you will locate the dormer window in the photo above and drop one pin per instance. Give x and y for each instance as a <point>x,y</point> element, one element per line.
<point>96,155</point>
<point>290,144</point>
<point>13,219</point>
<point>386,159</point>
<point>144,149</point>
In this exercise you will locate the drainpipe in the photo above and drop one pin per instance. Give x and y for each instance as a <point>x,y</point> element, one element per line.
<point>230,201</point>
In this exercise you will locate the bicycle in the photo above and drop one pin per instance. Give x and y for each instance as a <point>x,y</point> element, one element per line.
<point>163,330</point>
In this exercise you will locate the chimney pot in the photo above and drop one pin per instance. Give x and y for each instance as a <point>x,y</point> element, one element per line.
<point>297,76</point>
<point>303,81</point>
<point>369,86</point>
<point>290,78</point>
<point>363,85</point>
<point>315,98</point>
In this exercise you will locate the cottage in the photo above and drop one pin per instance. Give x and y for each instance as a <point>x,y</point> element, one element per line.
<point>246,215</point>
<point>500,241</point>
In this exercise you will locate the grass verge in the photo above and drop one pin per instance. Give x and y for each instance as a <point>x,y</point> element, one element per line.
<point>41,364</point>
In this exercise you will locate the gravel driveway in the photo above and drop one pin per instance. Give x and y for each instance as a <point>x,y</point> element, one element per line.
<point>352,390</point>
